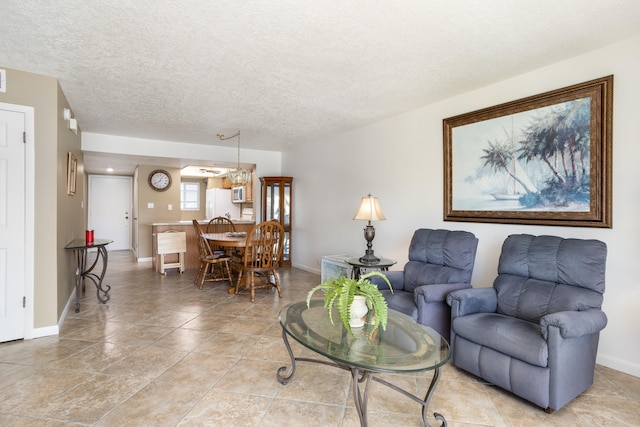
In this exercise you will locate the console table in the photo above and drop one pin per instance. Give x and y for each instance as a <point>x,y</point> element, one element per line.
<point>404,347</point>
<point>80,248</point>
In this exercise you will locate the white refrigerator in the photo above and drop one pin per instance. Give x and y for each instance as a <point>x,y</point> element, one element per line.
<point>219,204</point>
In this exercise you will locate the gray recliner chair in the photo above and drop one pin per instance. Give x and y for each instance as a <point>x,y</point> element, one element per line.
<point>535,332</point>
<point>440,261</point>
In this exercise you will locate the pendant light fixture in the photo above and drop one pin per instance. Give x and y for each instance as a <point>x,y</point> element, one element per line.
<point>238,176</point>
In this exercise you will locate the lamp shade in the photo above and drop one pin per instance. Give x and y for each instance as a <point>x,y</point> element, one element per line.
<point>369,209</point>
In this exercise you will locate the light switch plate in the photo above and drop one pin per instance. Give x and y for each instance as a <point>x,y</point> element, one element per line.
<point>150,205</point>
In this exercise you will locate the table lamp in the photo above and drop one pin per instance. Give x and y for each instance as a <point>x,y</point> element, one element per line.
<point>369,210</point>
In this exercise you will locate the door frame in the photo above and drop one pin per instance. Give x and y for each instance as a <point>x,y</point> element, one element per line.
<point>29,211</point>
<point>91,197</point>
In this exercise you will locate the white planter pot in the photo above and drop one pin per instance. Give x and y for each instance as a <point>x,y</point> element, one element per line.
<point>359,310</point>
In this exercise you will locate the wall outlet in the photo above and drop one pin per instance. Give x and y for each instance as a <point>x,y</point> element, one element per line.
<point>150,205</point>
<point>169,207</point>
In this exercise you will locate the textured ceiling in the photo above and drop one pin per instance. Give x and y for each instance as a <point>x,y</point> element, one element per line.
<point>287,71</point>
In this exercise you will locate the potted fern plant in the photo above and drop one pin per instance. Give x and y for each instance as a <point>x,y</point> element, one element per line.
<point>342,292</point>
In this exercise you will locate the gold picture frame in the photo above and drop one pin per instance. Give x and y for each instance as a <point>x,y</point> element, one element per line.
<point>72,174</point>
<point>541,160</point>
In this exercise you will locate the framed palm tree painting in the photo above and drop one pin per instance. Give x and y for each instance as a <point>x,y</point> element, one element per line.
<point>543,160</point>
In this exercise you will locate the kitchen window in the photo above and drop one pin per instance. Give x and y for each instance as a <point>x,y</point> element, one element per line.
<point>190,196</point>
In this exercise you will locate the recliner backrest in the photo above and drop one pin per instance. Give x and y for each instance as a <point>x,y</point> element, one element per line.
<point>439,256</point>
<point>538,275</point>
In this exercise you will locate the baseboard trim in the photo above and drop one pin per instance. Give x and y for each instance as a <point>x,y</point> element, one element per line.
<point>619,365</point>
<point>305,268</point>
<point>45,332</point>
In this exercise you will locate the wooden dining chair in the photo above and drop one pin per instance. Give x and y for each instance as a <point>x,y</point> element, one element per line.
<point>262,256</point>
<point>220,224</point>
<point>213,267</point>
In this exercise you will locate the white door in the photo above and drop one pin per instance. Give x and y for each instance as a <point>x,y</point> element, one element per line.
<point>110,209</point>
<point>12,225</point>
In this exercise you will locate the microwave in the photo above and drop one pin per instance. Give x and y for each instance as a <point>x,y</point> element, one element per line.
<point>238,195</point>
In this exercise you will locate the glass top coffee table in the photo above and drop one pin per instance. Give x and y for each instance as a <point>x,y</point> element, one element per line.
<point>404,347</point>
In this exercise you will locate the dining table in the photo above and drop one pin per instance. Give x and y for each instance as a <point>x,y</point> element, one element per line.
<point>229,240</point>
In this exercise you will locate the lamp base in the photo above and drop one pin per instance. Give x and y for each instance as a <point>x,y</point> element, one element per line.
<point>369,258</point>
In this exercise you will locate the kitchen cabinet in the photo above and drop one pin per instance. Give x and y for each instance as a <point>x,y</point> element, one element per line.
<point>248,190</point>
<point>276,205</point>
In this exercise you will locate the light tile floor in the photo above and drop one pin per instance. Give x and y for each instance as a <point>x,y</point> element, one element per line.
<point>164,353</point>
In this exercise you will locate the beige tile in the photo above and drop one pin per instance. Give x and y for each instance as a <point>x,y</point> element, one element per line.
<point>608,382</point>
<point>10,374</point>
<point>220,408</point>
<point>251,377</point>
<point>139,334</point>
<point>228,344</point>
<point>244,325</point>
<point>198,370</point>
<point>606,410</point>
<point>40,351</point>
<point>464,401</point>
<point>318,384</point>
<point>145,363</point>
<point>170,318</point>
<point>26,397</point>
<point>20,421</point>
<point>287,413</point>
<point>384,419</point>
<point>385,399</point>
<point>183,339</point>
<point>155,405</point>
<point>517,412</point>
<point>269,348</point>
<point>89,401</point>
<point>209,321</point>
<point>97,331</point>
<point>96,358</point>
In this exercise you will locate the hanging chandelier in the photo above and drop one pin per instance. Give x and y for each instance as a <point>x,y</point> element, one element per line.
<point>237,176</point>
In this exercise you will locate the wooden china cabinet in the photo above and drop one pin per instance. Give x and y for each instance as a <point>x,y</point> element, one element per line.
<point>276,205</point>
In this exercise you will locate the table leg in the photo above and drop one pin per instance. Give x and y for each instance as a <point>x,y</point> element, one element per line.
<point>102,292</point>
<point>80,260</point>
<point>82,273</point>
<point>284,379</point>
<point>360,400</point>
<point>427,398</point>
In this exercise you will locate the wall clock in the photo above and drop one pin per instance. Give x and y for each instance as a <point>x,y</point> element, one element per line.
<point>160,180</point>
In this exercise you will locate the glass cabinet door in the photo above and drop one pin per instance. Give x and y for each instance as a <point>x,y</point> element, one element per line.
<point>276,205</point>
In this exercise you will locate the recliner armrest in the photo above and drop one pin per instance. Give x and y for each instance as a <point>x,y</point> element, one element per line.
<point>474,300</point>
<point>436,292</point>
<point>574,324</point>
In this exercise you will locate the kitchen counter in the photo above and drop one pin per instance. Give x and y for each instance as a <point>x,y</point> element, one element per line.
<point>191,258</point>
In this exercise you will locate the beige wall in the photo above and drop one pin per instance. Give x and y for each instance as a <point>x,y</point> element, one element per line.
<point>160,200</point>
<point>56,219</point>
<point>72,218</point>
